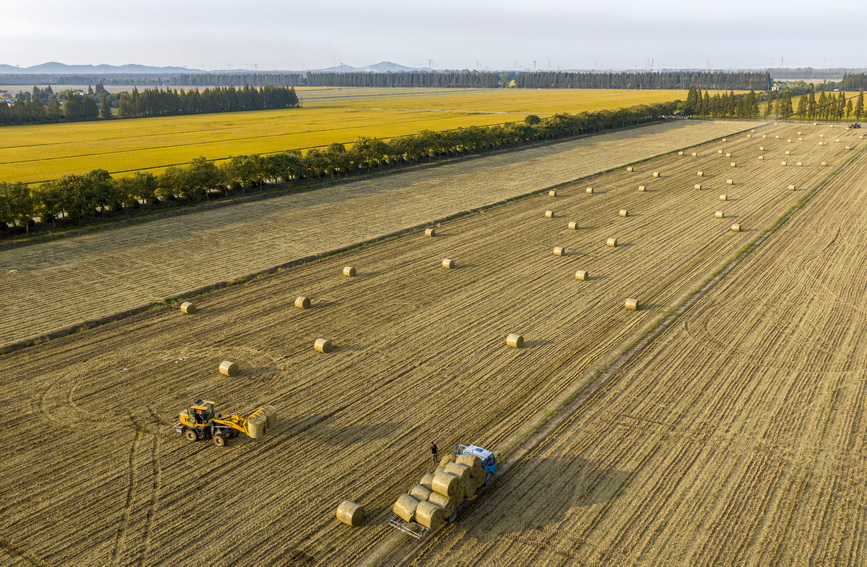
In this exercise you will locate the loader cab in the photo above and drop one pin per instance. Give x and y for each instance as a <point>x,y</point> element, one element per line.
<point>202,412</point>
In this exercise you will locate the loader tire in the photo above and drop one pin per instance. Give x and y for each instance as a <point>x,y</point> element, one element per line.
<point>489,478</point>
<point>191,435</point>
<point>219,440</point>
<point>453,516</point>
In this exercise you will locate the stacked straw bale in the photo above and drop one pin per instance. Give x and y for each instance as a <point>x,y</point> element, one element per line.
<point>405,507</point>
<point>429,515</point>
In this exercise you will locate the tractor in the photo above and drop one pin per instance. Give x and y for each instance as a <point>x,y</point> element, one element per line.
<point>201,421</point>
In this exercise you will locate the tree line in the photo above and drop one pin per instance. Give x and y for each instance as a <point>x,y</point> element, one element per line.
<point>678,80</point>
<point>720,105</point>
<point>42,106</point>
<point>158,102</point>
<point>77,197</point>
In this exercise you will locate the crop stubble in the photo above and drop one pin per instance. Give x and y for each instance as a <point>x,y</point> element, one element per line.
<point>114,271</point>
<point>419,356</point>
<point>737,438</point>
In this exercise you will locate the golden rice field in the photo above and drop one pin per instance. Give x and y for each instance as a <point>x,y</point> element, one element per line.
<point>48,151</point>
<point>736,437</point>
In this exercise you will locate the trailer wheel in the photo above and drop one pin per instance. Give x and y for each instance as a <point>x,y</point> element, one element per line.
<point>191,435</point>
<point>219,440</point>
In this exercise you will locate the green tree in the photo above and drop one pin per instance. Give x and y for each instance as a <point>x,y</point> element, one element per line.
<point>859,106</point>
<point>532,120</point>
<point>17,205</point>
<point>104,109</point>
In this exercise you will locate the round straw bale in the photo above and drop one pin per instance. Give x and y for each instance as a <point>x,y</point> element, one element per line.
<point>188,307</point>
<point>777,137</point>
<point>847,148</point>
<point>821,143</point>
<point>730,181</point>
<point>549,214</point>
<point>445,484</point>
<point>429,515</point>
<point>837,140</point>
<point>761,157</point>
<point>559,251</point>
<point>642,188</point>
<point>270,416</point>
<point>799,163</point>
<point>789,140</point>
<point>572,225</point>
<point>733,164</point>
<point>630,169</point>
<point>719,151</point>
<point>694,154</point>
<point>719,214</point>
<point>800,139</point>
<point>725,139</point>
<point>631,304</point>
<point>552,193</point>
<point>405,507</point>
<point>439,469</point>
<point>460,471</point>
<point>420,492</point>
<point>430,232</point>
<point>515,340</point>
<point>749,135</point>
<point>680,153</point>
<point>350,513</point>
<point>582,275</point>
<point>764,135</point>
<point>761,148</point>
<point>799,133</point>
<point>471,461</point>
<point>323,345</point>
<point>426,480</point>
<point>784,162</point>
<point>657,174</point>
<point>448,263</point>
<point>723,197</point>
<point>788,152</point>
<point>791,187</point>
<point>447,503</point>
<point>589,190</point>
<point>624,212</point>
<point>349,272</point>
<point>257,425</point>
<point>824,163</point>
<point>701,174</point>
<point>446,460</point>
<point>821,135</point>
<point>736,228</point>
<point>697,186</point>
<point>728,155</point>
<point>302,302</point>
<point>611,242</point>
<point>229,368</point>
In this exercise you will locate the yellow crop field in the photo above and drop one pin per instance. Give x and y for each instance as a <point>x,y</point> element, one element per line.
<point>42,152</point>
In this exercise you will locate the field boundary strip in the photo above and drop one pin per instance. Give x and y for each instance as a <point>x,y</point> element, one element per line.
<point>169,302</point>
<point>605,373</point>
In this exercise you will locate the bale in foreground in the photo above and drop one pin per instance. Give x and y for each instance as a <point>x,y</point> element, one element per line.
<point>429,515</point>
<point>515,340</point>
<point>350,513</point>
<point>631,304</point>
<point>323,345</point>
<point>188,308</point>
<point>405,507</point>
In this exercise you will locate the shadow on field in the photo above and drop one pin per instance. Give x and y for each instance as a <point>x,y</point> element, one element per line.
<point>324,428</point>
<point>544,493</point>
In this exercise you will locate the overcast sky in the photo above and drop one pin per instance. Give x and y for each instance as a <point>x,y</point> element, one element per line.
<point>450,34</point>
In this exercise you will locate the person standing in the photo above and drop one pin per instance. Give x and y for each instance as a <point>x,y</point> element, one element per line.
<point>434,453</point>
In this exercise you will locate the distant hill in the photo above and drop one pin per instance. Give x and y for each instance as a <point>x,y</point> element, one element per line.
<point>54,68</point>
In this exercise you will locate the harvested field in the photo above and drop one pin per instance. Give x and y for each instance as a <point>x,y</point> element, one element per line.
<point>93,474</point>
<point>114,271</point>
<point>737,438</point>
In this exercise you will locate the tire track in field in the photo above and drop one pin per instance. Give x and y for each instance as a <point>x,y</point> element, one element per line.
<point>17,551</point>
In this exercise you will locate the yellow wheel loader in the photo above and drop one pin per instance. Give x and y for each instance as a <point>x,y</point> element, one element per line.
<point>201,421</point>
